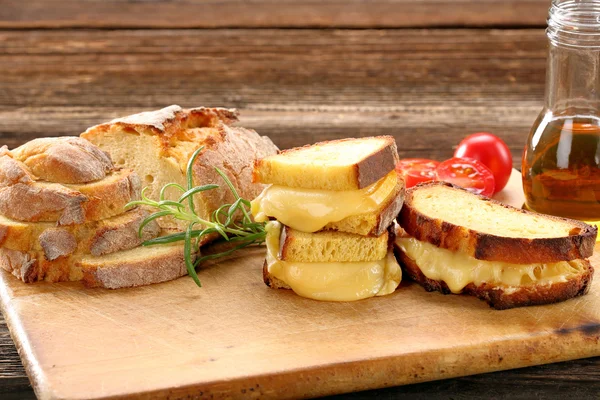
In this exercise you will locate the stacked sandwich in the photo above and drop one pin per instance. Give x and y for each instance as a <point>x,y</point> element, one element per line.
<point>329,207</point>
<point>454,241</point>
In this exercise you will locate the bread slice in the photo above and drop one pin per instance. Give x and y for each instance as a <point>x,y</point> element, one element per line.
<point>136,267</point>
<point>374,223</point>
<point>109,196</point>
<point>64,160</point>
<point>70,203</point>
<point>169,137</point>
<point>502,297</point>
<point>346,164</point>
<point>128,268</point>
<point>455,219</point>
<point>96,238</point>
<point>329,246</point>
<point>272,281</point>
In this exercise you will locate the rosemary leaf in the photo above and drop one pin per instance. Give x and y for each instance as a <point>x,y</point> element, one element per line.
<point>224,220</point>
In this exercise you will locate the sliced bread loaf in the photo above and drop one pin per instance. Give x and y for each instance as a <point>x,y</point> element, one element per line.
<point>70,203</point>
<point>96,237</point>
<point>169,137</point>
<point>346,164</point>
<point>454,219</point>
<point>102,191</point>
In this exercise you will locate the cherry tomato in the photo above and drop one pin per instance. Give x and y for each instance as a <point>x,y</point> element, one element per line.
<point>417,170</point>
<point>491,151</point>
<point>467,173</point>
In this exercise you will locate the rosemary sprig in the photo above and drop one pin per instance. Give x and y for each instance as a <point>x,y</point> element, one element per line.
<point>242,231</point>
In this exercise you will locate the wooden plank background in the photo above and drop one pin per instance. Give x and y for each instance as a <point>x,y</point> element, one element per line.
<point>298,71</point>
<point>270,13</point>
<point>428,88</point>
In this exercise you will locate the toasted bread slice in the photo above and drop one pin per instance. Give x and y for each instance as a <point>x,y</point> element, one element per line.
<point>128,268</point>
<point>96,238</point>
<point>373,219</point>
<point>330,246</point>
<point>504,297</point>
<point>346,164</point>
<point>455,219</point>
<point>375,223</point>
<point>271,281</point>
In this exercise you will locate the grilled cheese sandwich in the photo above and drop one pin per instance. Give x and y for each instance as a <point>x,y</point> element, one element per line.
<point>329,240</point>
<point>443,245</point>
<point>332,281</point>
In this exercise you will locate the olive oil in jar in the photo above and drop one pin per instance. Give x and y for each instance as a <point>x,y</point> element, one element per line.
<point>561,167</point>
<point>561,162</point>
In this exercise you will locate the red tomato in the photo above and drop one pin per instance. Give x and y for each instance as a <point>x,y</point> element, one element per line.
<point>417,170</point>
<point>491,151</point>
<point>469,174</point>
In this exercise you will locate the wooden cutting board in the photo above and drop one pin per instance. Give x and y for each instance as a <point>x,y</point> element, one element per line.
<point>237,338</point>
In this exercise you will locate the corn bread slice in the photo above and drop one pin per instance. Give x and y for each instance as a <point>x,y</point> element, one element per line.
<point>346,164</point>
<point>330,246</point>
<point>455,219</point>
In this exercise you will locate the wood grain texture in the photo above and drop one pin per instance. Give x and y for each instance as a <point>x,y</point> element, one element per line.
<point>235,337</point>
<point>271,13</point>
<point>428,88</point>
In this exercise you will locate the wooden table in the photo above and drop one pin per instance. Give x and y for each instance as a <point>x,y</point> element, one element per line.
<point>426,71</point>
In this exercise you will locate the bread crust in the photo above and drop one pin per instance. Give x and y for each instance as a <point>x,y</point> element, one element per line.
<point>369,170</point>
<point>64,159</point>
<point>271,281</point>
<point>24,197</point>
<point>32,266</point>
<point>108,197</point>
<point>42,202</point>
<point>12,171</point>
<point>483,246</point>
<point>57,243</point>
<point>498,297</point>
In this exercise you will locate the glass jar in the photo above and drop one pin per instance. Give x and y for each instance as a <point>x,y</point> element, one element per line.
<point>561,162</point>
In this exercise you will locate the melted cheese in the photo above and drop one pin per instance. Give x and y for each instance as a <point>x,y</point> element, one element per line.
<point>309,210</point>
<point>459,269</point>
<point>344,281</point>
